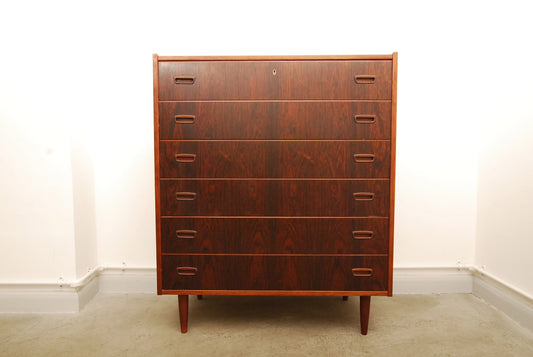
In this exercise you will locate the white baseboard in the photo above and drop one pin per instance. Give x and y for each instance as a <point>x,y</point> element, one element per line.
<point>514,303</point>
<point>128,280</point>
<point>72,297</point>
<point>48,297</point>
<point>435,280</point>
<point>37,298</point>
<point>88,290</point>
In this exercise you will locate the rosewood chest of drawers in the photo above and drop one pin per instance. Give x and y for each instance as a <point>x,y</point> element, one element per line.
<point>275,176</point>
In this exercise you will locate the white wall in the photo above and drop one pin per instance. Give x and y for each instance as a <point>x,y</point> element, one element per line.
<point>84,212</point>
<point>436,180</point>
<point>36,213</point>
<point>95,73</point>
<point>505,181</point>
<point>505,213</point>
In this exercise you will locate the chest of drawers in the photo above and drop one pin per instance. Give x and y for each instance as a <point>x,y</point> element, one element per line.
<point>275,176</point>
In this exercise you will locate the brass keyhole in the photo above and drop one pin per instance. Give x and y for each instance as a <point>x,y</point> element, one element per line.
<point>274,72</point>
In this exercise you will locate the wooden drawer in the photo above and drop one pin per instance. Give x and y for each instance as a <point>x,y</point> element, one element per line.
<point>245,80</point>
<point>275,120</point>
<point>275,236</point>
<point>334,198</point>
<point>275,159</point>
<point>260,272</point>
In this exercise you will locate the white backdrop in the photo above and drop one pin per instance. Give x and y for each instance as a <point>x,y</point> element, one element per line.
<point>76,129</point>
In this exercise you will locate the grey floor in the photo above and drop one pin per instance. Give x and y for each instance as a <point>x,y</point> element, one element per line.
<point>147,325</point>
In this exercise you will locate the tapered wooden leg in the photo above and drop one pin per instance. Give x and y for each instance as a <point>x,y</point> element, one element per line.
<point>345,298</point>
<point>364,312</point>
<point>200,297</point>
<point>183,302</point>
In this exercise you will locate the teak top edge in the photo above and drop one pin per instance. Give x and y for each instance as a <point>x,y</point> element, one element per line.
<point>275,58</point>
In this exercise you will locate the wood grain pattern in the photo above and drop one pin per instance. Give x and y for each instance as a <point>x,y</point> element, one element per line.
<point>155,63</point>
<point>330,198</point>
<point>274,159</point>
<point>228,80</point>
<point>273,120</point>
<point>183,303</point>
<point>275,292</point>
<point>364,313</point>
<point>392,182</point>
<point>265,272</point>
<point>275,176</point>
<point>274,236</point>
<point>278,58</point>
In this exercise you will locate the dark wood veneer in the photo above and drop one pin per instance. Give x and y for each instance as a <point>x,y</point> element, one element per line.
<point>297,80</point>
<point>275,175</point>
<point>239,120</point>
<point>276,58</point>
<point>275,272</point>
<point>274,159</point>
<point>329,198</point>
<point>275,236</point>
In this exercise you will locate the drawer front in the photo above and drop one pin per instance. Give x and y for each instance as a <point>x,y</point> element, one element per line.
<point>334,198</point>
<point>259,272</point>
<point>275,159</point>
<point>235,80</point>
<point>275,236</point>
<point>274,120</point>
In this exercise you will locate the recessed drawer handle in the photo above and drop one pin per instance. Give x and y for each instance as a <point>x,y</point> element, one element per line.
<point>364,119</point>
<point>184,79</point>
<point>184,119</point>
<point>187,271</point>
<point>364,157</point>
<point>185,157</point>
<point>363,234</point>
<point>362,271</point>
<point>365,79</point>
<point>185,196</point>
<point>363,196</point>
<point>185,234</point>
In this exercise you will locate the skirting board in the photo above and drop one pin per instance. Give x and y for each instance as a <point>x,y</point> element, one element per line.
<point>128,280</point>
<point>432,280</point>
<point>72,297</point>
<point>47,298</point>
<point>514,303</point>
